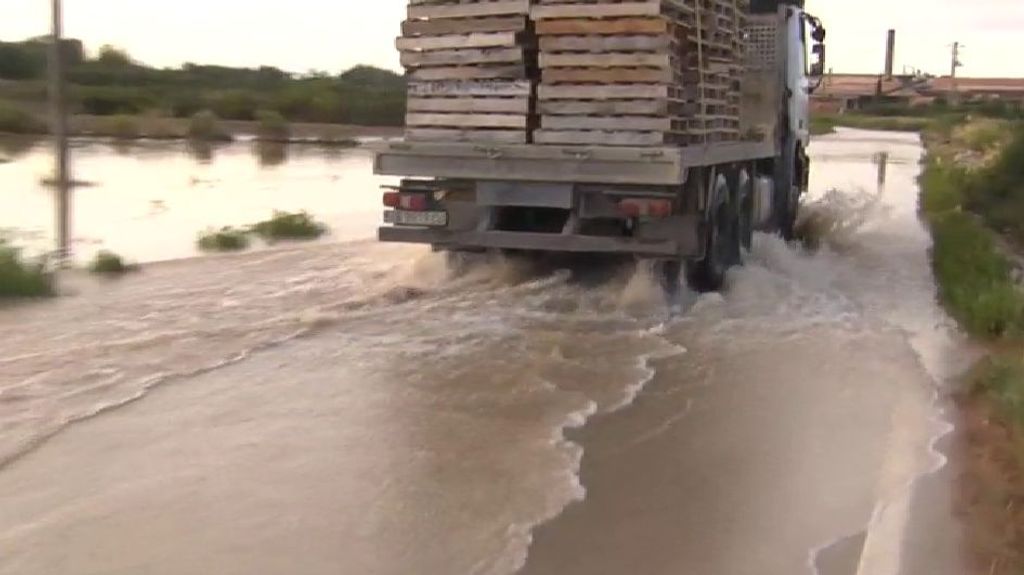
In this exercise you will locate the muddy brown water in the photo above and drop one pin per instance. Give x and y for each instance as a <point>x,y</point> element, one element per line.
<point>149,200</point>
<point>346,408</point>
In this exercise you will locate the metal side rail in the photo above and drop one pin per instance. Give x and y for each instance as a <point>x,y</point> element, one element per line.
<point>568,243</point>
<point>666,165</point>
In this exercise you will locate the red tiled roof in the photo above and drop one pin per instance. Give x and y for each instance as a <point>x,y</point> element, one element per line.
<point>853,85</point>
<point>945,84</point>
<point>857,85</point>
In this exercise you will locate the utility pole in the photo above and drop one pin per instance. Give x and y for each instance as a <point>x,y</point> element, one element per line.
<point>956,64</point>
<point>59,127</point>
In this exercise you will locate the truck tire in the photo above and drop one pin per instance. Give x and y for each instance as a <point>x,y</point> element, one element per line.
<point>741,195</point>
<point>787,192</point>
<point>721,252</point>
<point>746,224</point>
<point>669,274</point>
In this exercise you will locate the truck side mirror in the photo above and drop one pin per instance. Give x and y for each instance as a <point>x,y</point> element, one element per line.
<point>818,67</point>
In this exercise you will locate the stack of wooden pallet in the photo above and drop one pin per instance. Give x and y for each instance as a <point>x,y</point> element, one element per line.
<point>720,67</point>
<point>642,72</point>
<point>469,64</point>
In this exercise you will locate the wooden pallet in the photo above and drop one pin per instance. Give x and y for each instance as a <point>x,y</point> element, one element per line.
<point>471,66</point>
<point>639,72</point>
<point>626,72</point>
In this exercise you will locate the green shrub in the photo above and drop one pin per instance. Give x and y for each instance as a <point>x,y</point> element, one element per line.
<point>109,263</point>
<point>205,126</point>
<point>997,191</point>
<point>22,60</point>
<point>975,280</point>
<point>19,278</point>
<point>984,135</point>
<point>822,124</point>
<point>123,128</point>
<point>272,126</point>
<point>17,121</point>
<point>235,104</point>
<point>226,239</point>
<point>942,187</point>
<point>112,100</point>
<point>286,226</point>
<point>885,123</point>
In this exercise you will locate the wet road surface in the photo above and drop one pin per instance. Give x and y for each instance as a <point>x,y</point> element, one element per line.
<point>346,408</point>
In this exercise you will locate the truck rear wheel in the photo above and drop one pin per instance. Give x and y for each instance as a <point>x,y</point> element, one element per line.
<point>788,215</point>
<point>745,197</point>
<point>787,190</point>
<point>669,274</point>
<point>722,251</point>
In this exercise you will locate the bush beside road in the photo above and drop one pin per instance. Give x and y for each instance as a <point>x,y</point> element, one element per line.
<point>972,196</point>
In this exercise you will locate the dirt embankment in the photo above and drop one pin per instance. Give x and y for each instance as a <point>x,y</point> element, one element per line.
<point>992,489</point>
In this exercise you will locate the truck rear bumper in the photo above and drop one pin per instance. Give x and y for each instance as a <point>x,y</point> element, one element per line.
<point>526,241</point>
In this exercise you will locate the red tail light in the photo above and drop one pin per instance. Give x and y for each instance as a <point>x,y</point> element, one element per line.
<point>409,202</point>
<point>630,208</point>
<point>415,202</point>
<point>636,208</point>
<point>659,208</point>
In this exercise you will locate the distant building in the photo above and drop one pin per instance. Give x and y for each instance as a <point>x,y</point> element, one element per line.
<point>850,92</point>
<point>1010,89</point>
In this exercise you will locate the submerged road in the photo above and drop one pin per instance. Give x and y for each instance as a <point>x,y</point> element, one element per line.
<point>346,409</point>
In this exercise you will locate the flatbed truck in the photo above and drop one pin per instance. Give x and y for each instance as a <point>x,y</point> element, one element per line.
<point>691,208</point>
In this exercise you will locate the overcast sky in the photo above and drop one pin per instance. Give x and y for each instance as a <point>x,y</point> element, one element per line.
<point>332,35</point>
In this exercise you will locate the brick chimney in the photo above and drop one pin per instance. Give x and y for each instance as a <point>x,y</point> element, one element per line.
<point>890,54</point>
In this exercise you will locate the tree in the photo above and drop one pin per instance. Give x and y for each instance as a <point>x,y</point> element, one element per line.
<point>22,61</point>
<point>112,56</point>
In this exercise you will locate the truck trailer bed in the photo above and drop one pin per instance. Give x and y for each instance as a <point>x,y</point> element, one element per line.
<point>663,166</point>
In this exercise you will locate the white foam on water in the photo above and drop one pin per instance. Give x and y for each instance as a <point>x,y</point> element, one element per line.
<point>645,364</point>
<point>519,536</point>
<point>638,307</point>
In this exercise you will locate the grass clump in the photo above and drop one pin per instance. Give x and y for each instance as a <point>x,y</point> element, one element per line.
<point>271,126</point>
<point>975,279</point>
<point>109,263</point>
<point>942,187</point>
<point>822,125</point>
<point>226,239</point>
<point>996,191</point>
<point>870,122</point>
<point>983,135</point>
<point>19,278</point>
<point>17,121</point>
<point>289,226</point>
<point>205,126</point>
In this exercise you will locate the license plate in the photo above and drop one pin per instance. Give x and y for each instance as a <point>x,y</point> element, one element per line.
<point>422,219</point>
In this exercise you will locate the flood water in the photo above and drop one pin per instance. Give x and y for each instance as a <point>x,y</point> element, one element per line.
<point>345,407</point>
<point>149,201</point>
